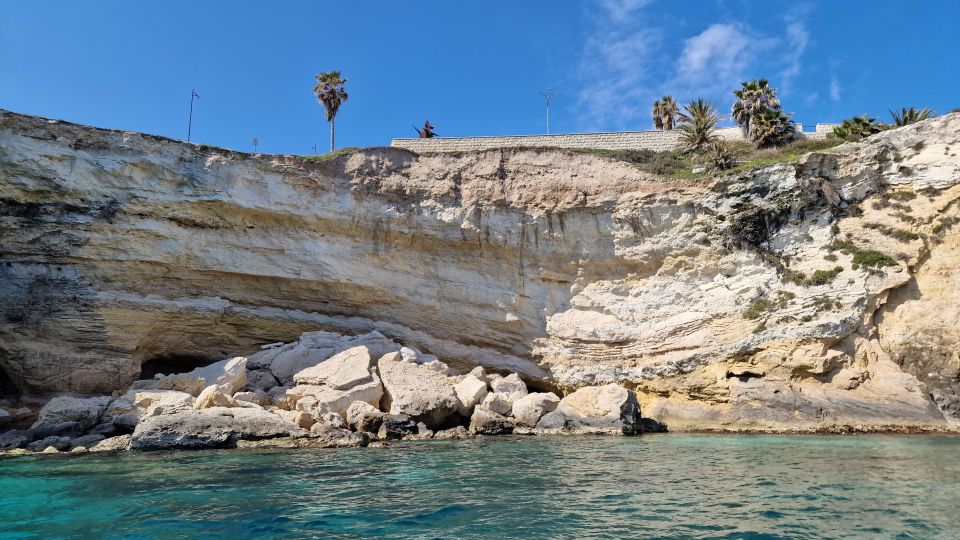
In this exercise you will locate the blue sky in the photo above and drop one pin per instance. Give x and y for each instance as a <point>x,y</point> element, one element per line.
<point>473,67</point>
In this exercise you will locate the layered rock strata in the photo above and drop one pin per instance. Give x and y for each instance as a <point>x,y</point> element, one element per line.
<point>816,295</point>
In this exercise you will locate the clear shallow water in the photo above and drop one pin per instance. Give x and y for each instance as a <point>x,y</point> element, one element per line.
<point>667,486</point>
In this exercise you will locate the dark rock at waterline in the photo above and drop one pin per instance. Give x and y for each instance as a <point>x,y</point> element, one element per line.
<point>60,443</point>
<point>649,425</point>
<point>62,429</point>
<point>87,440</point>
<point>396,426</point>
<point>15,438</point>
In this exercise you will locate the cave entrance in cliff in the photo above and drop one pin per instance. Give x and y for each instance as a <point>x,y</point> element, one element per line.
<point>8,390</point>
<point>173,363</point>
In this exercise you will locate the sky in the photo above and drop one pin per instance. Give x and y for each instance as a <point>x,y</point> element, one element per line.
<point>472,68</point>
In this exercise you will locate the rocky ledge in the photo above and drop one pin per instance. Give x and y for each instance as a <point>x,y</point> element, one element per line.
<point>324,390</point>
<point>815,295</point>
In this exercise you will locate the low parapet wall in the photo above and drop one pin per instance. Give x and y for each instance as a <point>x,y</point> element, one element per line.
<point>615,140</point>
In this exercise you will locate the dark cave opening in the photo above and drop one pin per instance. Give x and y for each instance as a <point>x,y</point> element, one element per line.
<point>173,363</point>
<point>8,390</point>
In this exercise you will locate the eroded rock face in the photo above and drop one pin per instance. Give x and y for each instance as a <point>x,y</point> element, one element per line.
<point>733,303</point>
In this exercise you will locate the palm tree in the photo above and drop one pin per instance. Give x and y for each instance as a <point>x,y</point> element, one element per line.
<point>329,91</point>
<point>753,98</point>
<point>771,127</point>
<point>909,115</point>
<point>698,123</point>
<point>665,112</point>
<point>858,127</point>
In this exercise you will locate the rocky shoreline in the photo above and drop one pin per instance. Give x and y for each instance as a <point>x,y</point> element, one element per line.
<point>324,390</point>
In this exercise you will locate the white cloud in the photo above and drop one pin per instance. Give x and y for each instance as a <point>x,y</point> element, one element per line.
<point>616,78</point>
<point>621,10</point>
<point>632,57</point>
<point>717,56</point>
<point>835,89</point>
<point>797,40</point>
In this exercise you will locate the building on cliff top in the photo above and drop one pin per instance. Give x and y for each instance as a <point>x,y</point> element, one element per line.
<point>656,140</point>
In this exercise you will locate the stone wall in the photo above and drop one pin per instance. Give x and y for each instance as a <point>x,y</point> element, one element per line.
<point>616,140</point>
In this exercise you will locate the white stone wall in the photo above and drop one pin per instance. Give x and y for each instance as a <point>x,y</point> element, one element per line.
<point>618,140</point>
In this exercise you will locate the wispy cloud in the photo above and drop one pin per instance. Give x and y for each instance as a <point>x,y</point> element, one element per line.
<point>621,10</point>
<point>629,60</point>
<point>715,59</point>
<point>835,89</point>
<point>617,73</point>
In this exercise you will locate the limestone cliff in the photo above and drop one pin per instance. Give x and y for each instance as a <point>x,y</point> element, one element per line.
<point>815,295</point>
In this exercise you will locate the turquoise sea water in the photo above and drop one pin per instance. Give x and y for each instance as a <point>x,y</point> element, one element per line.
<point>664,486</point>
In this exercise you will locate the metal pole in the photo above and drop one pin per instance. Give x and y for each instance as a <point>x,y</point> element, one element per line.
<point>548,116</point>
<point>548,97</point>
<point>193,94</point>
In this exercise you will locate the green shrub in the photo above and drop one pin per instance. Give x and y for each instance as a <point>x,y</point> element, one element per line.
<point>757,308</point>
<point>822,277</point>
<point>872,259</point>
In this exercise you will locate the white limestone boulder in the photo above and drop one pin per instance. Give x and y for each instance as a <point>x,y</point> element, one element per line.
<point>230,375</point>
<point>315,347</point>
<point>528,409</point>
<point>297,418</point>
<point>487,422</point>
<point>470,391</point>
<point>341,371</point>
<point>419,391</point>
<point>362,416</point>
<point>211,396</point>
<point>596,409</point>
<point>497,402</point>
<point>325,399</point>
<point>508,385</point>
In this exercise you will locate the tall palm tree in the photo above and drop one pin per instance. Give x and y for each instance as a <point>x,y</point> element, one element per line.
<point>698,124</point>
<point>329,91</point>
<point>665,112</point>
<point>909,115</point>
<point>771,127</point>
<point>753,98</point>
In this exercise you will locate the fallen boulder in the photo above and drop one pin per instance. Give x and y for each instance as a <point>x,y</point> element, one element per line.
<point>316,347</point>
<point>341,371</point>
<point>530,408</point>
<point>211,396</point>
<point>497,402</point>
<point>421,392</point>
<point>84,411</point>
<point>595,409</point>
<point>325,399</point>
<point>486,422</point>
<point>396,426</point>
<point>362,416</point>
<point>229,375</point>
<point>112,444</point>
<point>509,384</point>
<point>216,427</point>
<point>470,391</point>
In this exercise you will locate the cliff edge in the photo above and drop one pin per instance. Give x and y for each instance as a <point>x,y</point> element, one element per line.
<point>816,295</point>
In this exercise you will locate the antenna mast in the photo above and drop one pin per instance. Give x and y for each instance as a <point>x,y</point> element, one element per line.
<point>548,97</point>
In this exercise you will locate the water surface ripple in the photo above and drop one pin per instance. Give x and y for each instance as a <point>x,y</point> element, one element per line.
<point>663,486</point>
